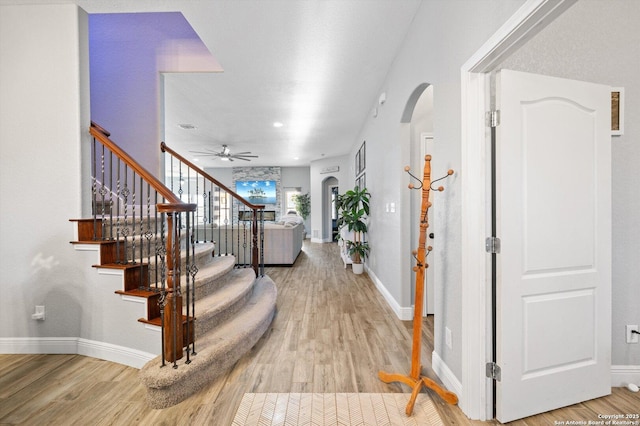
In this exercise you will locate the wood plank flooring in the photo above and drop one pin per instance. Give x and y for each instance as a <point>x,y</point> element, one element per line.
<point>333,332</point>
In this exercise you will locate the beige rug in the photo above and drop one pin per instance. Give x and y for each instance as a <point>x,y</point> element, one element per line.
<point>294,409</point>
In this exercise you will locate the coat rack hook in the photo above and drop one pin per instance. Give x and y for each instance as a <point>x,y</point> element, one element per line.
<point>441,188</point>
<point>411,185</point>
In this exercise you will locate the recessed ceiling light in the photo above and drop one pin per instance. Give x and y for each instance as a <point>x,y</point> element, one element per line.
<point>186,126</point>
<point>296,158</point>
<point>278,124</point>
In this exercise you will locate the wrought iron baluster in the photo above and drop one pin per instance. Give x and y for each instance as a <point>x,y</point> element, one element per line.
<point>118,223</point>
<point>111,195</point>
<point>102,192</point>
<point>133,217</point>
<point>125,220</point>
<point>94,206</point>
<point>193,270</point>
<point>161,252</point>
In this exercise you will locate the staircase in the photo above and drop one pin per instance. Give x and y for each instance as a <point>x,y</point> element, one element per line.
<point>222,308</point>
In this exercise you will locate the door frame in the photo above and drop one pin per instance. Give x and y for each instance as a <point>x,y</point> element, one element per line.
<point>477,392</point>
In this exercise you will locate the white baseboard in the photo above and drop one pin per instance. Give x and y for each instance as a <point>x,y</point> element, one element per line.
<point>39,345</point>
<point>403,313</point>
<point>622,375</point>
<point>74,345</point>
<point>445,374</point>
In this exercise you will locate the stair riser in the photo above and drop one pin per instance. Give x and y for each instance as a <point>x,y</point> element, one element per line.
<point>205,323</point>
<point>209,285</point>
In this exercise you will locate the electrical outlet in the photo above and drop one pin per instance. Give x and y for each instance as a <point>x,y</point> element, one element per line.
<point>39,315</point>
<point>447,337</point>
<point>632,337</point>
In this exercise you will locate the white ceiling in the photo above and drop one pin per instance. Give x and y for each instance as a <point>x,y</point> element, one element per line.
<point>317,66</point>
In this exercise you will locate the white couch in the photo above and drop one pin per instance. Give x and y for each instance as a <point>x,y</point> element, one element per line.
<point>282,242</point>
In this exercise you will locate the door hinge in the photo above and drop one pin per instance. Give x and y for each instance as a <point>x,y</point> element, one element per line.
<point>493,118</point>
<point>493,371</point>
<point>492,245</point>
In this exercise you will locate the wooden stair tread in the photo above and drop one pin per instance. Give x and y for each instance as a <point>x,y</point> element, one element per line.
<point>122,266</point>
<point>157,321</point>
<point>96,242</point>
<point>138,293</point>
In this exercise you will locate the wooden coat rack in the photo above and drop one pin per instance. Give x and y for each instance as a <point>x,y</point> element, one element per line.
<point>415,380</point>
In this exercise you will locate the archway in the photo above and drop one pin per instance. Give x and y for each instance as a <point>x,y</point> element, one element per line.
<point>329,213</point>
<point>418,118</point>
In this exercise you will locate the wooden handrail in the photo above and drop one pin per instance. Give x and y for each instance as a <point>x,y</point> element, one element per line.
<point>171,198</point>
<point>100,129</point>
<point>165,148</point>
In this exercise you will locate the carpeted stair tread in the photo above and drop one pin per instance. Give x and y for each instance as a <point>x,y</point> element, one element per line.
<point>219,305</point>
<point>217,350</point>
<point>213,275</point>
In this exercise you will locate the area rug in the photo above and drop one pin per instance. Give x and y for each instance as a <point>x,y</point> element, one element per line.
<point>334,409</point>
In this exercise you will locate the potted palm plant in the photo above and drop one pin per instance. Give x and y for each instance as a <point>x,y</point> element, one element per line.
<point>353,206</point>
<point>303,204</point>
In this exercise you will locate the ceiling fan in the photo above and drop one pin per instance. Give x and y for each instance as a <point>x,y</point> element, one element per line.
<point>226,155</point>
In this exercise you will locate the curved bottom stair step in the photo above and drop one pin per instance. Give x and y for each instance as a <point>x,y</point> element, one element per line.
<point>218,307</point>
<point>217,350</point>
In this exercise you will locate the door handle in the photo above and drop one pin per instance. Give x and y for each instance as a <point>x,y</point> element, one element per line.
<point>431,235</point>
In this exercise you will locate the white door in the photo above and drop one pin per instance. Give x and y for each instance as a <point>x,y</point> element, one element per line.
<point>554,223</point>
<point>429,284</point>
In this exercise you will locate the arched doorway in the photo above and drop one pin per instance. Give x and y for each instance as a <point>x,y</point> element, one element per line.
<point>329,212</point>
<point>418,117</point>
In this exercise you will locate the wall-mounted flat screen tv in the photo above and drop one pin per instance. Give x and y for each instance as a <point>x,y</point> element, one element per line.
<point>257,191</point>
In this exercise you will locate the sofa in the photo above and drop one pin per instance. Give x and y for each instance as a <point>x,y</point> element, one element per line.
<point>282,242</point>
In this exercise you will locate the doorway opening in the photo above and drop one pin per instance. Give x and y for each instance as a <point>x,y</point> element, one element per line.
<point>329,212</point>
<point>418,115</point>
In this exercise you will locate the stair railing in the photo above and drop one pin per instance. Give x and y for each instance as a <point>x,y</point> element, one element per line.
<point>148,224</point>
<point>222,215</point>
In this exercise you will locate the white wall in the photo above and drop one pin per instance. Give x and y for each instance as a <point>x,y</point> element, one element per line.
<point>598,41</point>
<point>43,137</point>
<point>128,53</point>
<point>44,113</point>
<point>442,37</point>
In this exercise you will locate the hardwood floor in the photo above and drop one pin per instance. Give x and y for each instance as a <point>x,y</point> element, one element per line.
<point>332,333</point>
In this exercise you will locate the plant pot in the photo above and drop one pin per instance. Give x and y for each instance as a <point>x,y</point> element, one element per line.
<point>358,268</point>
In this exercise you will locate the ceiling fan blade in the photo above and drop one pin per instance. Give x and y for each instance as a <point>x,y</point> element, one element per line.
<point>204,153</point>
<point>245,156</point>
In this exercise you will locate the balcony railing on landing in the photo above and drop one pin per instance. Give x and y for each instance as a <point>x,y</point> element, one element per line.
<point>221,216</point>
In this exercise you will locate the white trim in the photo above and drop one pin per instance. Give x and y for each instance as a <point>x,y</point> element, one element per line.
<point>445,374</point>
<point>134,299</point>
<point>622,375</point>
<point>532,17</point>
<point>403,313</point>
<point>74,345</point>
<point>110,271</point>
<point>114,353</point>
<point>86,247</point>
<point>38,345</point>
